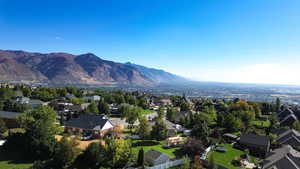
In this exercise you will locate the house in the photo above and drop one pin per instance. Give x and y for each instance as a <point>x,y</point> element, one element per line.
<point>154,157</point>
<point>257,145</point>
<point>289,137</point>
<point>22,100</point>
<point>87,124</point>
<point>282,158</point>
<point>230,137</point>
<point>287,111</point>
<point>94,98</point>
<point>117,121</point>
<point>160,102</point>
<point>70,96</point>
<point>171,127</point>
<point>10,118</point>
<point>171,141</point>
<point>287,117</point>
<point>180,116</point>
<point>288,120</point>
<point>35,103</point>
<point>114,109</point>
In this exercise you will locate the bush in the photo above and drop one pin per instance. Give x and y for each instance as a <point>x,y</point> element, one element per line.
<point>236,162</point>
<point>146,143</point>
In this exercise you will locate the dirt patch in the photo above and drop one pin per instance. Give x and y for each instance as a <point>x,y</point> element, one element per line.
<point>83,144</point>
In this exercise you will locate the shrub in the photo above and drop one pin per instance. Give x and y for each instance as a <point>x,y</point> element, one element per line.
<point>146,143</point>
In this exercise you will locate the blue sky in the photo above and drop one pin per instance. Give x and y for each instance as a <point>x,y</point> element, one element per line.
<point>251,41</point>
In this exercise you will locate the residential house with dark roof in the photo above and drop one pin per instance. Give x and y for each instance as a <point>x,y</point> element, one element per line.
<point>10,118</point>
<point>289,137</point>
<point>35,103</point>
<point>282,158</point>
<point>180,116</point>
<point>257,145</point>
<point>95,98</point>
<point>287,117</point>
<point>87,124</point>
<point>22,100</point>
<point>154,157</point>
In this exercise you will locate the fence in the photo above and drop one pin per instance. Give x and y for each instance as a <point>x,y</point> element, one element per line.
<point>166,165</point>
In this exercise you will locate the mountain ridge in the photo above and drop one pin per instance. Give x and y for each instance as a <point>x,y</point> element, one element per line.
<point>68,69</point>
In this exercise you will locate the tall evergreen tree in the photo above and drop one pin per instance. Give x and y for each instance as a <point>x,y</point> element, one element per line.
<point>103,107</point>
<point>144,128</point>
<point>140,160</point>
<point>278,104</point>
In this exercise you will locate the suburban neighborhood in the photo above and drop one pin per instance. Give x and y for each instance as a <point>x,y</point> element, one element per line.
<point>82,128</point>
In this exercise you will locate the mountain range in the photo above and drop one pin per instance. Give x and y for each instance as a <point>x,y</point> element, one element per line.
<point>84,69</point>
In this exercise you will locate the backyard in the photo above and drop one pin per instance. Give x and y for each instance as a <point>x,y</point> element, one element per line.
<point>261,123</point>
<point>147,111</point>
<point>225,158</point>
<point>138,144</point>
<point>9,160</point>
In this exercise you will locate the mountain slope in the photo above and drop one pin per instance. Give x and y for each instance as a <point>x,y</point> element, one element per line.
<point>64,68</point>
<point>158,75</point>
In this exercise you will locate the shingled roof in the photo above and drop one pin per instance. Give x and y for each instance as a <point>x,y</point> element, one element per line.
<point>153,155</point>
<point>9,115</point>
<point>88,122</point>
<point>290,137</point>
<point>254,139</point>
<point>283,158</point>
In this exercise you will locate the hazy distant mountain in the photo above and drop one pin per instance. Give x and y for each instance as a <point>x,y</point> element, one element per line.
<point>64,68</point>
<point>158,75</point>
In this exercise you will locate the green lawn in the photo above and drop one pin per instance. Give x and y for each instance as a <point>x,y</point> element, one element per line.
<point>13,161</point>
<point>158,147</point>
<point>147,111</point>
<point>261,123</point>
<point>225,159</point>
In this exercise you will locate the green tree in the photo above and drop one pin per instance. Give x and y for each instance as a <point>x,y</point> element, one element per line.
<point>124,109</point>
<point>201,131</point>
<point>140,160</point>
<point>118,153</point>
<point>296,126</point>
<point>65,153</point>
<point>186,163</point>
<point>171,113</point>
<point>159,130</point>
<point>277,105</point>
<point>233,123</point>
<point>3,127</point>
<point>144,128</point>
<point>212,163</point>
<point>40,128</point>
<point>161,112</point>
<point>132,114</point>
<point>93,156</point>
<point>185,106</point>
<point>103,107</point>
<point>142,102</point>
<point>92,108</point>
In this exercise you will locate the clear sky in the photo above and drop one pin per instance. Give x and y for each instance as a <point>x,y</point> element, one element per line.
<point>252,41</point>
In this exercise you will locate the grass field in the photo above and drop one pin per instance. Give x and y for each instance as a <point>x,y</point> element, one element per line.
<point>225,159</point>
<point>170,152</point>
<point>261,123</point>
<point>147,111</point>
<point>13,161</point>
